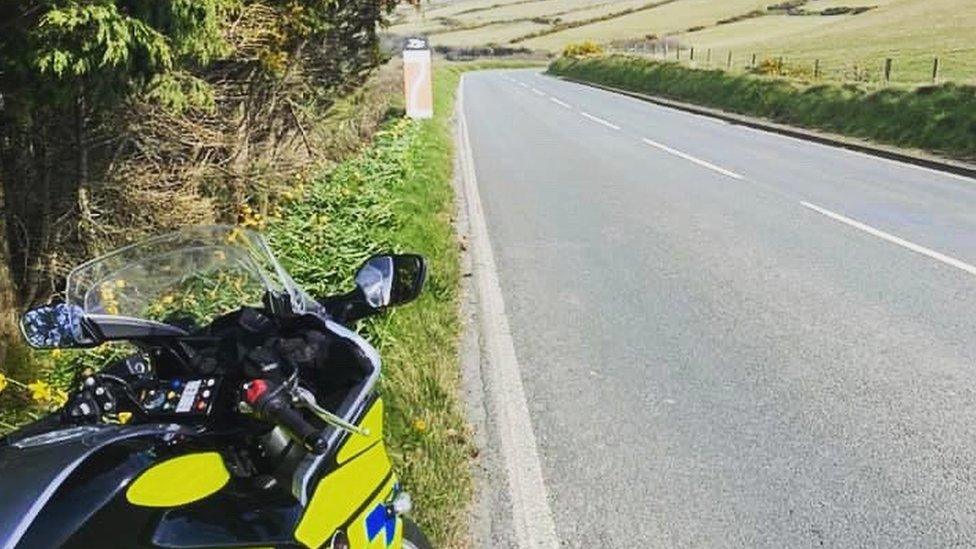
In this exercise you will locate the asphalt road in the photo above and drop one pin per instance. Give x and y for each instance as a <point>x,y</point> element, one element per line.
<point>729,338</point>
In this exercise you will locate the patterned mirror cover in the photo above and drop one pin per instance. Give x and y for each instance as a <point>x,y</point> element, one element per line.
<point>52,326</point>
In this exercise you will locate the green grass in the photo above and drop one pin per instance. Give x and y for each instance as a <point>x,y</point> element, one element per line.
<point>849,47</point>
<point>911,32</point>
<point>938,118</point>
<point>669,18</point>
<point>397,196</point>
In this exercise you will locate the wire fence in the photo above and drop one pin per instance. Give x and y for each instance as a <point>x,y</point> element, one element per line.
<point>916,69</point>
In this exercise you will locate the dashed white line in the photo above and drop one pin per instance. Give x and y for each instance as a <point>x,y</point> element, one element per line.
<point>560,103</point>
<point>599,120</point>
<point>523,84</point>
<point>894,239</point>
<point>538,92</point>
<point>690,158</point>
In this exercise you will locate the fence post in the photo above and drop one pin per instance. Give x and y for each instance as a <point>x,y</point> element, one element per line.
<point>753,65</point>
<point>887,70</point>
<point>728,64</point>
<point>693,53</point>
<point>708,57</point>
<point>816,68</point>
<point>779,66</point>
<point>677,52</point>
<point>935,71</point>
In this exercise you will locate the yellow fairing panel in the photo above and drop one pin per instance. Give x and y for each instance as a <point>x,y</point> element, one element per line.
<point>179,481</point>
<point>363,466</point>
<point>373,421</point>
<point>373,529</point>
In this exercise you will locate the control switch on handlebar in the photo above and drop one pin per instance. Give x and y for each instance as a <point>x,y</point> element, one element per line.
<point>273,402</point>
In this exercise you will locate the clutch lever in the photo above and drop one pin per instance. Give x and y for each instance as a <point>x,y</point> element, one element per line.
<point>304,397</point>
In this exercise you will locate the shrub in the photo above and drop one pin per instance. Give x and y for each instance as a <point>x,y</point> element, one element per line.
<point>582,49</point>
<point>936,118</point>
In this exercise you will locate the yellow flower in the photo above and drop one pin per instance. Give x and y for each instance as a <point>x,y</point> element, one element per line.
<point>167,299</point>
<point>56,353</point>
<point>40,391</point>
<point>120,283</point>
<point>3,382</point>
<point>59,397</point>
<point>419,425</point>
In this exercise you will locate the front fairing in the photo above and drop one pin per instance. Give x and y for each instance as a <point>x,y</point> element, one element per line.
<point>71,488</point>
<point>34,468</point>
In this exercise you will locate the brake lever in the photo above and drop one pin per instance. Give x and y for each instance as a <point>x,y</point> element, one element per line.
<point>305,398</point>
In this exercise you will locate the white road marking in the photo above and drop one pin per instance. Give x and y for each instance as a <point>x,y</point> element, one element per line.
<point>532,518</point>
<point>690,158</point>
<point>538,92</point>
<point>560,103</point>
<point>894,239</point>
<point>523,84</point>
<point>599,120</point>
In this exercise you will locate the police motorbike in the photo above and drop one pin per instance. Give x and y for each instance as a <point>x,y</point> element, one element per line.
<point>245,414</point>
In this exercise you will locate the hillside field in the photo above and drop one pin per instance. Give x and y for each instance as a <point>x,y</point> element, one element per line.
<point>849,46</point>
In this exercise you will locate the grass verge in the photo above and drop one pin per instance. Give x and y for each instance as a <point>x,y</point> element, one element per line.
<point>397,195</point>
<point>941,118</point>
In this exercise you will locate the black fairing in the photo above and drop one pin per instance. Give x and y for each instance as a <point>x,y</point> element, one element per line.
<point>81,483</point>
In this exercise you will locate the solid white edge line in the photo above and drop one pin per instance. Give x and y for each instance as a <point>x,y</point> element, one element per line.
<point>531,515</point>
<point>599,120</point>
<point>690,158</point>
<point>538,92</point>
<point>560,103</point>
<point>951,261</point>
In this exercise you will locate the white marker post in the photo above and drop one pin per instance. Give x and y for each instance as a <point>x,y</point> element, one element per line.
<point>417,85</point>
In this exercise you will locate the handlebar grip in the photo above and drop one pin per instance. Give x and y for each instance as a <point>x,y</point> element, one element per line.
<point>275,406</point>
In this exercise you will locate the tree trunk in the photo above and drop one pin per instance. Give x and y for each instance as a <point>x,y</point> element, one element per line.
<point>8,301</point>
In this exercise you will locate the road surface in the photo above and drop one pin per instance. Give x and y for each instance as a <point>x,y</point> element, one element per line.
<point>729,338</point>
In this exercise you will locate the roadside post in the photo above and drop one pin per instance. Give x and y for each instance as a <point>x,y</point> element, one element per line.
<point>417,83</point>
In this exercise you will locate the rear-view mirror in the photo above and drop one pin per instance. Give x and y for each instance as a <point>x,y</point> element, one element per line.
<point>387,280</point>
<point>53,327</point>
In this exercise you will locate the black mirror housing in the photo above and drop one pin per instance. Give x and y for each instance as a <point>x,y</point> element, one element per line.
<point>387,280</point>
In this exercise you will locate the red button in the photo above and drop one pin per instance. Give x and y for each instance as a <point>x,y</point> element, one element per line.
<point>201,405</point>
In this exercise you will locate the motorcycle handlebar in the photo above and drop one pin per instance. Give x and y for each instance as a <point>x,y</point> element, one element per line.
<point>272,402</point>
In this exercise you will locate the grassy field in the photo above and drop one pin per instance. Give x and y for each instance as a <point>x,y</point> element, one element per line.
<point>506,22</point>
<point>671,18</point>
<point>492,34</point>
<point>937,118</point>
<point>911,32</point>
<point>849,47</point>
